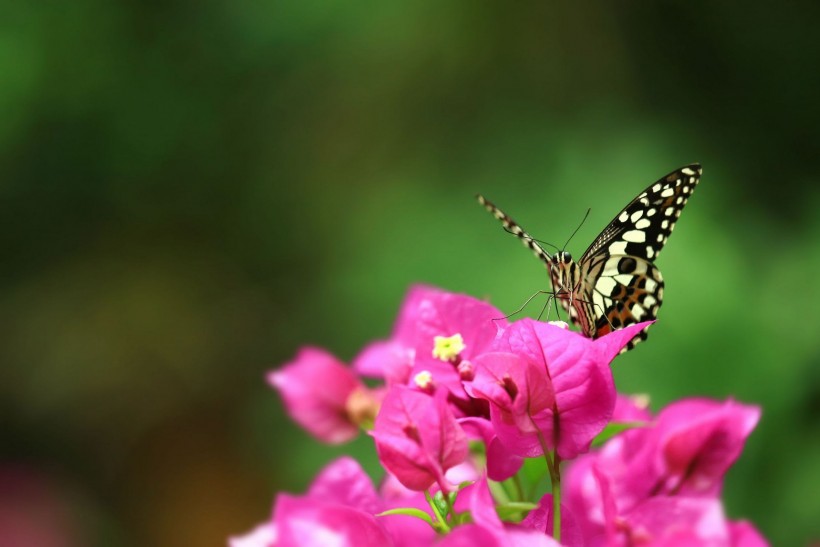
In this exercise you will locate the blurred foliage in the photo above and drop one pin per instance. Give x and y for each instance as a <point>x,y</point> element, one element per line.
<point>191,191</point>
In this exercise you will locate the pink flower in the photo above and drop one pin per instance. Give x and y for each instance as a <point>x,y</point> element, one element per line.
<point>264,535</point>
<point>345,483</point>
<point>339,509</point>
<point>682,522</point>
<point>388,359</point>
<point>698,440</point>
<point>324,396</point>
<point>417,438</point>
<point>314,522</point>
<point>521,401</point>
<point>631,409</point>
<point>428,315</point>
<point>744,534</point>
<point>666,471</point>
<point>487,529</point>
<point>551,384</point>
<point>541,519</point>
<point>501,463</point>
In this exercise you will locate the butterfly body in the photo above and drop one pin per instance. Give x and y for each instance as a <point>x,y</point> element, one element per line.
<point>616,283</point>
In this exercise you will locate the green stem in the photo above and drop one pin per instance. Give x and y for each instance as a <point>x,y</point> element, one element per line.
<point>442,523</point>
<point>556,500</point>
<point>519,489</point>
<point>554,467</point>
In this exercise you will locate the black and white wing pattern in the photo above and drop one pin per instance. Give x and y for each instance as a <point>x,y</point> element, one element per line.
<point>618,275</point>
<point>616,283</point>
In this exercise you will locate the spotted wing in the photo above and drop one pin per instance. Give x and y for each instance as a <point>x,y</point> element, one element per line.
<point>620,283</point>
<point>642,228</point>
<point>628,290</point>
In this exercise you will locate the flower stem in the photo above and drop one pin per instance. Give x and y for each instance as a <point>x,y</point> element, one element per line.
<point>554,466</point>
<point>555,476</point>
<point>442,525</point>
<point>519,489</point>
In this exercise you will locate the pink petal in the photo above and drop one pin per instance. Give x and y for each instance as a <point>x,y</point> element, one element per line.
<point>263,535</point>
<point>470,535</point>
<point>417,437</point>
<point>319,407</point>
<point>540,519</point>
<point>344,481</point>
<point>676,521</point>
<point>386,359</point>
<point>631,409</point>
<point>744,534</point>
<point>610,345</point>
<point>700,440</point>
<point>522,401</point>
<point>482,505</point>
<point>309,522</point>
<point>501,463</point>
<point>580,375</point>
<point>428,312</point>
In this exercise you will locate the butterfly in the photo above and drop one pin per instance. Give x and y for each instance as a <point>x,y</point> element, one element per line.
<point>616,283</point>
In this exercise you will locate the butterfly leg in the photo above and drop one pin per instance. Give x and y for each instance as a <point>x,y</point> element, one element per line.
<point>599,308</point>
<point>524,305</point>
<point>549,301</point>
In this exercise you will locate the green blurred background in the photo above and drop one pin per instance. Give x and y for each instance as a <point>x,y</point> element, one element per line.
<point>189,191</point>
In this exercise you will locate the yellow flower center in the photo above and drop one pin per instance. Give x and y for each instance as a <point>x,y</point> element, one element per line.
<point>423,379</point>
<point>447,348</point>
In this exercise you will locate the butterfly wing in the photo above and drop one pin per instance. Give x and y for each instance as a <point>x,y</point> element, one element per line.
<point>619,277</point>
<point>642,228</point>
<point>627,290</point>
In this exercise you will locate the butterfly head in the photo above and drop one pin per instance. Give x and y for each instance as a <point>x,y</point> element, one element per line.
<point>564,272</point>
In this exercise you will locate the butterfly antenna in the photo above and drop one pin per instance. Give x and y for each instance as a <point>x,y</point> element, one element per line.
<point>541,241</point>
<point>578,228</point>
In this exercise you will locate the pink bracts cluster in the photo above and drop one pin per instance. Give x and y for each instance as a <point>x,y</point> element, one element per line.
<point>464,400</point>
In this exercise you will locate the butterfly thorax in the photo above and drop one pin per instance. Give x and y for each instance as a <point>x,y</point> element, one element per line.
<point>565,275</point>
<point>567,282</point>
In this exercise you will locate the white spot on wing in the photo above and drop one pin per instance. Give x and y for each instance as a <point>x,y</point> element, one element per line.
<point>623,279</point>
<point>650,252</point>
<point>636,216</point>
<point>667,193</point>
<point>643,223</point>
<point>687,171</point>
<point>605,285</point>
<point>618,248</point>
<point>635,236</point>
<point>611,266</point>
<point>624,217</point>
<point>598,300</point>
